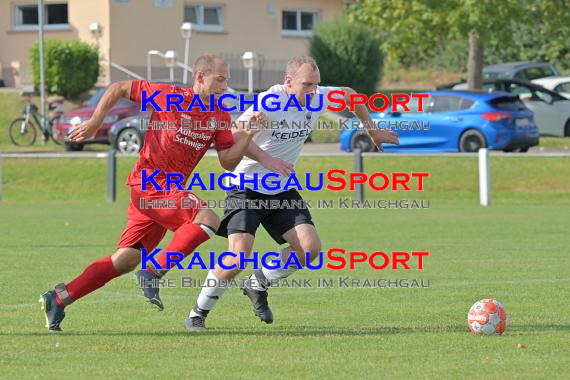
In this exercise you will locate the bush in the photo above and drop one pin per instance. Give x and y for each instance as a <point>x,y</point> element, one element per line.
<point>71,67</point>
<point>348,54</point>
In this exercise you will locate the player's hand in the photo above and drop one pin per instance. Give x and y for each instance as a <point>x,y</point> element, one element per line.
<point>83,131</point>
<point>254,125</point>
<point>380,136</point>
<point>279,166</point>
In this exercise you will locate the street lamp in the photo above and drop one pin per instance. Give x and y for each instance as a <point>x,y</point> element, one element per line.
<point>96,30</point>
<point>170,58</point>
<point>186,31</point>
<point>249,59</point>
<point>149,55</point>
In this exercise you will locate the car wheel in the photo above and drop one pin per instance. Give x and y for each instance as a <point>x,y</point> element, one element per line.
<point>523,150</point>
<point>360,140</point>
<point>471,141</point>
<point>567,129</point>
<point>129,141</point>
<point>73,147</point>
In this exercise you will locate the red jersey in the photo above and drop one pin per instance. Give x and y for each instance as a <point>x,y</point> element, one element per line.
<point>177,150</point>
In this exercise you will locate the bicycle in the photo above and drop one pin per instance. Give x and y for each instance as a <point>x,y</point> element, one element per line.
<point>23,130</point>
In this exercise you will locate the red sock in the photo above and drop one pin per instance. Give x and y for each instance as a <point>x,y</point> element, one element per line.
<point>186,238</point>
<point>97,274</point>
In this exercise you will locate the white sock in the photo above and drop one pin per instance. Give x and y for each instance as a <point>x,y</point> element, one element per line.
<point>209,294</point>
<point>279,273</point>
<point>255,283</point>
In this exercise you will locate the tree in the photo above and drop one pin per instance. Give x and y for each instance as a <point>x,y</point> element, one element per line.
<point>348,54</point>
<point>421,25</point>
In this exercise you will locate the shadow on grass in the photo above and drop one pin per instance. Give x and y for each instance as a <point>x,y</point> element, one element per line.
<point>302,332</point>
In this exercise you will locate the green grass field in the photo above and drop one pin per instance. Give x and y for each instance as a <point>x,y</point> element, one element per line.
<point>54,221</point>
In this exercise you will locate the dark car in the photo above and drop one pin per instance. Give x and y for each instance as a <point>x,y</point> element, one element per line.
<point>127,136</point>
<point>525,71</point>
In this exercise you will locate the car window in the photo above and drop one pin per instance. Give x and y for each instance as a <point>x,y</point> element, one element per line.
<point>562,87</point>
<point>445,103</point>
<point>492,75</point>
<point>533,73</point>
<point>519,89</point>
<point>533,93</point>
<point>544,96</point>
<point>466,103</point>
<point>520,75</point>
<point>508,103</point>
<point>414,105</point>
<point>92,101</point>
<point>548,72</point>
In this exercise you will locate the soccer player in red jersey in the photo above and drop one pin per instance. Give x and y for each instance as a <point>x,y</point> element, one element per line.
<point>170,150</point>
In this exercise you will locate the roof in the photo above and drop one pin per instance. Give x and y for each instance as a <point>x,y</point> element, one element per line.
<point>508,66</point>
<point>472,94</point>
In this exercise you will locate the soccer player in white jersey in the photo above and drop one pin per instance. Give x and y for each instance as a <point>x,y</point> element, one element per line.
<point>285,225</point>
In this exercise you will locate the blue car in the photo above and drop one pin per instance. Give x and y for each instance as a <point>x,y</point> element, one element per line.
<point>453,121</point>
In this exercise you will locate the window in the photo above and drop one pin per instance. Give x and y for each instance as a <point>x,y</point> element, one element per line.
<point>414,105</point>
<point>466,104</point>
<point>520,76</point>
<point>299,23</point>
<point>548,72</point>
<point>563,87</point>
<point>492,75</point>
<point>533,73</point>
<point>544,96</point>
<point>508,103</point>
<point>26,17</point>
<point>519,89</point>
<point>446,103</point>
<point>56,14</point>
<point>205,18</point>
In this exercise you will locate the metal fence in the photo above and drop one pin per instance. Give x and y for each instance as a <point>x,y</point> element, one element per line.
<point>267,73</point>
<point>483,157</point>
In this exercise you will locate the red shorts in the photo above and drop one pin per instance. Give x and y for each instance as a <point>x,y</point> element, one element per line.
<point>147,227</point>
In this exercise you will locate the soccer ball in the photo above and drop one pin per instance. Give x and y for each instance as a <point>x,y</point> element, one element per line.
<point>487,317</point>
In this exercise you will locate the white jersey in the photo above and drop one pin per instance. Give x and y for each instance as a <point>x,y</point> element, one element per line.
<point>284,142</point>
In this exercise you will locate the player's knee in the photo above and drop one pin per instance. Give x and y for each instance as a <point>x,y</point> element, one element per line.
<point>308,245</point>
<point>227,274</point>
<point>312,245</point>
<point>241,242</point>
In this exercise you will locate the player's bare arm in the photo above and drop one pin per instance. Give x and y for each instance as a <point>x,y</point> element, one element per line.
<point>114,93</point>
<point>230,158</point>
<point>378,136</point>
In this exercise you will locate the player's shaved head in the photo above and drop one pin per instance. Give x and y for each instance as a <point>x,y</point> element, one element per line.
<point>295,64</point>
<point>302,77</point>
<point>207,63</point>
<point>211,76</point>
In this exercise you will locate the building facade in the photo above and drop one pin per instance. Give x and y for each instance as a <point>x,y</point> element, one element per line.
<point>126,30</point>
